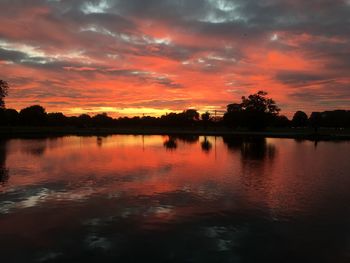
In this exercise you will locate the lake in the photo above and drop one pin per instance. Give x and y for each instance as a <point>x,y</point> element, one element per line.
<point>174,199</point>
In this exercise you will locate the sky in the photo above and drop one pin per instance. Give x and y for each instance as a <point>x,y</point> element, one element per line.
<point>134,57</point>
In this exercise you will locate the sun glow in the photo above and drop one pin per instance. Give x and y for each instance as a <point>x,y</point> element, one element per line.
<point>121,112</point>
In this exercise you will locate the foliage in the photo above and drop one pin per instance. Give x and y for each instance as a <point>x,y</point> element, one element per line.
<point>102,120</point>
<point>8,117</point>
<point>56,119</point>
<point>300,119</point>
<point>259,103</point>
<point>206,117</point>
<point>315,120</point>
<point>187,117</point>
<point>33,115</point>
<point>191,115</point>
<point>254,112</point>
<point>281,121</point>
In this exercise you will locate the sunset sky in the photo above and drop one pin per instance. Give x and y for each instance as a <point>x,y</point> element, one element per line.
<point>133,57</point>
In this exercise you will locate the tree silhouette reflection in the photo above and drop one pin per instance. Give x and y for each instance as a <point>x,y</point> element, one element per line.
<point>37,149</point>
<point>206,145</point>
<point>99,141</point>
<point>170,143</point>
<point>251,148</point>
<point>4,172</point>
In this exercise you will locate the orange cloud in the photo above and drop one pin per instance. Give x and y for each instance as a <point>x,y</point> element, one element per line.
<point>136,57</point>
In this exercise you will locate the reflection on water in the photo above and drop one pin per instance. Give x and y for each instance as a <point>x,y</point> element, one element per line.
<point>170,143</point>
<point>4,172</point>
<point>206,145</point>
<point>255,148</point>
<point>174,199</point>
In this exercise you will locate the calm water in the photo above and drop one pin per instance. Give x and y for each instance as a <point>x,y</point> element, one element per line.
<point>161,199</point>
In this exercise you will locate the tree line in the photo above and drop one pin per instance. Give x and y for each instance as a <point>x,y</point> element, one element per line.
<point>255,112</point>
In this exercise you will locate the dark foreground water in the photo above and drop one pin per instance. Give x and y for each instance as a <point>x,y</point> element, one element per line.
<point>161,199</point>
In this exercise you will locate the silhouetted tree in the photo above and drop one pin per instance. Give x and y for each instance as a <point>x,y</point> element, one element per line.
<point>300,119</point>
<point>191,115</point>
<point>11,116</point>
<point>281,121</point>
<point>234,107</point>
<point>315,120</point>
<point>206,117</point>
<point>8,117</point>
<point>259,110</point>
<point>84,120</point>
<point>336,118</point>
<point>3,92</point>
<point>234,115</point>
<point>56,119</point>
<point>33,115</point>
<point>255,112</point>
<point>102,120</point>
<point>185,118</point>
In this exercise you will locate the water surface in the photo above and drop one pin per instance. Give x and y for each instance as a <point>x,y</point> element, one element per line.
<point>174,199</point>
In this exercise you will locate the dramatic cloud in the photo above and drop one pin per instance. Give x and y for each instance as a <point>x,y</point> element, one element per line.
<point>136,56</point>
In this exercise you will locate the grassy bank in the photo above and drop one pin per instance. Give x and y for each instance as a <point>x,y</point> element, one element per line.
<point>302,133</point>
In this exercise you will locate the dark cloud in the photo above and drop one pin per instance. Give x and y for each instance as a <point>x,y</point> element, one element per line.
<point>42,62</point>
<point>231,20</point>
<point>162,103</point>
<point>336,95</point>
<point>133,74</point>
<point>11,56</point>
<point>300,78</point>
<point>86,40</point>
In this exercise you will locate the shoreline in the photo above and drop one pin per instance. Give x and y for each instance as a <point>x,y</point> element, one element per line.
<point>291,133</point>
